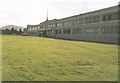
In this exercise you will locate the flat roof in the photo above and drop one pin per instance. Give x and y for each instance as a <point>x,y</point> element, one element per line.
<point>89,12</point>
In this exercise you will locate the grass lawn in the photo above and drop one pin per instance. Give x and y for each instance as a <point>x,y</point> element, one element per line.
<point>26,58</point>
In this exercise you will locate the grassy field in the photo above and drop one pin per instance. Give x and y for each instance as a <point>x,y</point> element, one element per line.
<point>34,58</point>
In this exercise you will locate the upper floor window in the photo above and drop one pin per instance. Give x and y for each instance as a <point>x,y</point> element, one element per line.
<point>63,23</point>
<point>92,19</point>
<point>74,22</point>
<point>44,27</point>
<point>110,17</point>
<point>59,24</point>
<point>68,23</point>
<point>81,20</point>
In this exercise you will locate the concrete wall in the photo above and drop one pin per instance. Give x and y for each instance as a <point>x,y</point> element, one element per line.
<point>99,37</point>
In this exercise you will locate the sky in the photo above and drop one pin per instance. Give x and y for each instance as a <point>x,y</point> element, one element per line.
<point>24,12</point>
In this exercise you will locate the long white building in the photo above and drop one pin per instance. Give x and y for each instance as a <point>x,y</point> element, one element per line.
<point>97,26</point>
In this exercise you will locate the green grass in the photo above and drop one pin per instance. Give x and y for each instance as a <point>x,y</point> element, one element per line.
<point>28,58</point>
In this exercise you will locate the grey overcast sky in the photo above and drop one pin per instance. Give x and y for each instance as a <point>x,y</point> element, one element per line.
<point>23,12</point>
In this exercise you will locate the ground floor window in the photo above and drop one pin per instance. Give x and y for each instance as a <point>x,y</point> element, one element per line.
<point>58,32</point>
<point>110,29</point>
<point>77,31</point>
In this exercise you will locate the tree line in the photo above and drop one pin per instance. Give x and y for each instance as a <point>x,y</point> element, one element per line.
<point>13,31</point>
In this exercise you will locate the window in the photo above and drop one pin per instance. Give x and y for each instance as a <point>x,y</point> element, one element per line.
<point>63,23</point>
<point>110,17</point>
<point>44,27</point>
<point>77,31</point>
<point>81,21</point>
<point>96,30</point>
<point>91,30</point>
<point>38,27</point>
<point>67,31</point>
<point>58,31</point>
<point>59,25</point>
<point>52,25</point>
<point>92,19</point>
<point>68,23</point>
<point>114,29</point>
<point>88,30</point>
<point>110,29</point>
<point>75,22</point>
<point>106,29</point>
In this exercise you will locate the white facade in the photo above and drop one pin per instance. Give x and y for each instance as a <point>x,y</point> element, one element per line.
<point>96,26</point>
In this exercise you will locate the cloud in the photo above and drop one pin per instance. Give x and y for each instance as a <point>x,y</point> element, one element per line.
<point>23,12</point>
